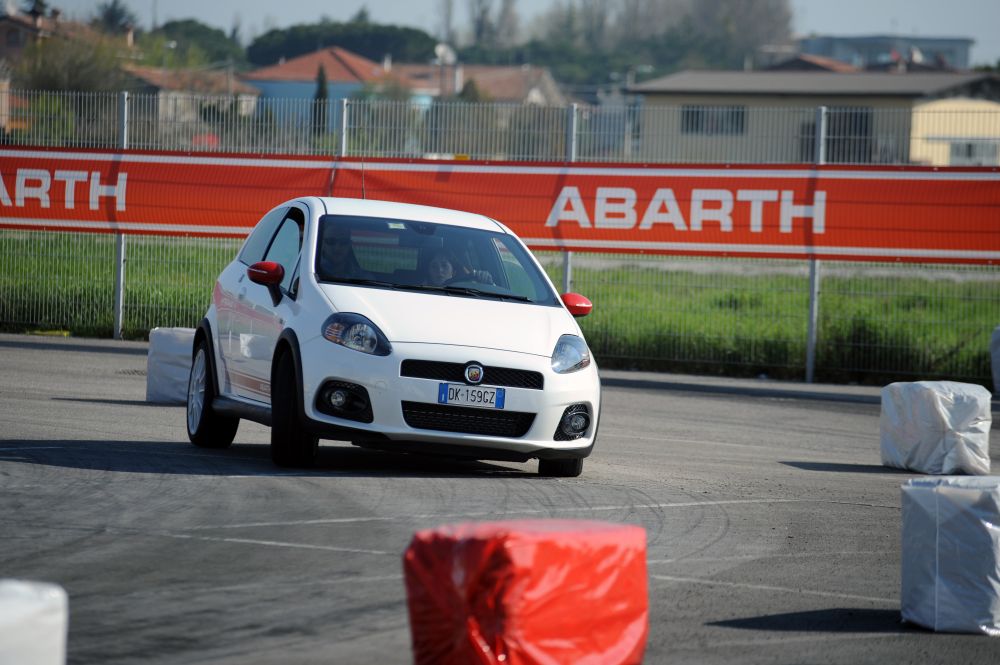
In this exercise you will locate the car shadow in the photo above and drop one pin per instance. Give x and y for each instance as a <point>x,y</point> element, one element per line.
<point>795,392</point>
<point>114,402</point>
<point>72,344</point>
<point>842,467</point>
<point>181,458</point>
<point>833,620</point>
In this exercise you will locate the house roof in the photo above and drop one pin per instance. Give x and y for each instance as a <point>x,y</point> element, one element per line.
<point>520,83</point>
<point>808,62</point>
<point>339,65</point>
<point>30,23</point>
<point>812,83</point>
<point>186,80</point>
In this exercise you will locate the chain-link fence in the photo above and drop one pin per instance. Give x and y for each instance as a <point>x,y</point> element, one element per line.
<point>874,321</point>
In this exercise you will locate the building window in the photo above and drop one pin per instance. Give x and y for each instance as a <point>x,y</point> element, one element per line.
<point>975,153</point>
<point>849,135</point>
<point>713,120</point>
<point>13,37</point>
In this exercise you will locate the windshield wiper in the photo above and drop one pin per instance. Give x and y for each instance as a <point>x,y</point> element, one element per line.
<point>467,290</point>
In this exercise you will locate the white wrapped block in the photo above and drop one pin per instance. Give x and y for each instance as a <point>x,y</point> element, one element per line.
<point>995,358</point>
<point>33,623</point>
<point>168,365</point>
<point>951,554</point>
<point>939,427</point>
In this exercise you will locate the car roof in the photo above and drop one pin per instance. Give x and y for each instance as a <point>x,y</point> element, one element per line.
<point>409,211</point>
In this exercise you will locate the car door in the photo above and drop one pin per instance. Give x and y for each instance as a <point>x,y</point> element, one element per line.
<point>231,322</point>
<point>259,319</point>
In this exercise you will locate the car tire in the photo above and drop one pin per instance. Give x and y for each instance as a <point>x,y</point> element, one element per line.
<point>561,468</point>
<point>291,443</point>
<point>205,427</point>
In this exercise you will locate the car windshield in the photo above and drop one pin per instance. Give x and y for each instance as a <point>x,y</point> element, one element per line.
<point>433,258</point>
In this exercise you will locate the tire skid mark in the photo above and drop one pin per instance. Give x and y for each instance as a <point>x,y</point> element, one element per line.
<point>526,511</point>
<point>769,587</point>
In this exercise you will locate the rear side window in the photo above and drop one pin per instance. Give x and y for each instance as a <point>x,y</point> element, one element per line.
<point>255,246</point>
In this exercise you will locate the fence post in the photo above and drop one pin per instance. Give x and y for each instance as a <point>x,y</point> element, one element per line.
<point>120,237</point>
<point>813,319</point>
<point>571,149</point>
<point>820,136</point>
<point>343,127</point>
<point>814,276</point>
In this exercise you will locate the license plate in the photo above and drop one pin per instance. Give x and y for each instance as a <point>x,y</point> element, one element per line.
<point>462,395</point>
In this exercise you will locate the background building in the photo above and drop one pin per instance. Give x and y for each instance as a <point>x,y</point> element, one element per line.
<point>875,51</point>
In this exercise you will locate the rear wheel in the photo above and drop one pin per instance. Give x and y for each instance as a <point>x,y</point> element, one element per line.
<point>205,427</point>
<point>561,468</point>
<point>291,443</point>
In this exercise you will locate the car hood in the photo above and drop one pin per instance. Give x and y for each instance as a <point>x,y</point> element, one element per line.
<point>412,316</point>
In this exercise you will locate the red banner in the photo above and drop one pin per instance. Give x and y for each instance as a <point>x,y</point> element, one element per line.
<point>831,212</point>
<point>150,193</point>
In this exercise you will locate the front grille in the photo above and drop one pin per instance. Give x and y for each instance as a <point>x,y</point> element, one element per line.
<point>455,373</point>
<point>466,420</point>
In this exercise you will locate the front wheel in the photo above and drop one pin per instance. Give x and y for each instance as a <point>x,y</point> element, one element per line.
<point>291,443</point>
<point>206,428</point>
<point>561,468</point>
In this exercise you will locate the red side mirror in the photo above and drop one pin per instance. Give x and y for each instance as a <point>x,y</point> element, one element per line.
<point>577,304</point>
<point>267,273</point>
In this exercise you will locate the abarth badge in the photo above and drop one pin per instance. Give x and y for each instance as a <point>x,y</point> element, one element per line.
<point>473,373</point>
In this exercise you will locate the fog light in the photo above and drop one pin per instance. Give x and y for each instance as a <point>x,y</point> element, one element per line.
<point>338,398</point>
<point>574,422</point>
<point>344,400</point>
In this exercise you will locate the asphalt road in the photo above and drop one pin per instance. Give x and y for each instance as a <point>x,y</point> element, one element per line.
<point>773,530</point>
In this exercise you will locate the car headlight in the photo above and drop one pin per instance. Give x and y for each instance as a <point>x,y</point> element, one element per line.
<point>570,355</point>
<point>356,332</point>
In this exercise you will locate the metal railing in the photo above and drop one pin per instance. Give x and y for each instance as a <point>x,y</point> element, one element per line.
<point>842,321</point>
<point>876,322</point>
<point>379,128</point>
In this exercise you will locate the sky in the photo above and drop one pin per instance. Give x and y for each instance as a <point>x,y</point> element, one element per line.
<point>975,19</point>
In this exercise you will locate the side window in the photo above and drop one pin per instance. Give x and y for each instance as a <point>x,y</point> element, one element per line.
<point>286,245</point>
<point>256,244</point>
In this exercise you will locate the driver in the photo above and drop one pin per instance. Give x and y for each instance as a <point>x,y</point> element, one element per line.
<point>439,269</point>
<point>443,269</point>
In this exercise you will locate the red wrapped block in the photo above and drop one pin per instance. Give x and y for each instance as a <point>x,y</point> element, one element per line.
<point>528,592</point>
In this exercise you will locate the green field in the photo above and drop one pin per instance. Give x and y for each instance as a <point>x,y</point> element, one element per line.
<point>748,318</point>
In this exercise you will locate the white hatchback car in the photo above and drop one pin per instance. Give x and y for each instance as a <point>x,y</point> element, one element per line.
<point>396,327</point>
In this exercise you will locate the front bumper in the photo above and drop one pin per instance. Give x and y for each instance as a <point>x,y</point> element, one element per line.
<point>323,361</point>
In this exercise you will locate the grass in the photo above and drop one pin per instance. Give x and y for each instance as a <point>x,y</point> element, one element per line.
<point>719,317</point>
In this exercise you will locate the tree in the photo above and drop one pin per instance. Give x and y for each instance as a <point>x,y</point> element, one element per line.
<point>85,63</point>
<point>481,18</point>
<point>320,102</point>
<point>594,23</point>
<point>236,34</point>
<point>212,44</point>
<point>507,26</point>
<point>371,40</point>
<point>447,27</point>
<point>472,93</point>
<point>737,28</point>
<point>35,7</point>
<point>114,17</point>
